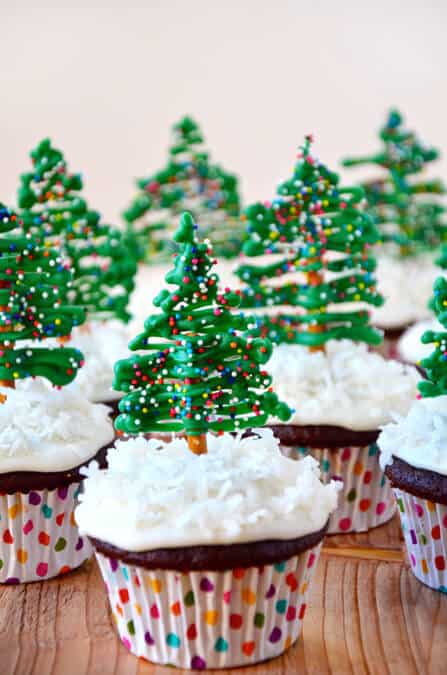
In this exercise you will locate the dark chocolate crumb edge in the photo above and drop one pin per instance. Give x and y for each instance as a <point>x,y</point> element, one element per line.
<point>421,483</point>
<point>322,436</point>
<point>394,332</point>
<point>26,481</point>
<point>216,558</point>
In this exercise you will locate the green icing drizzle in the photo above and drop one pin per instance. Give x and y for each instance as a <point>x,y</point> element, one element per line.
<point>54,212</point>
<point>190,182</point>
<point>400,204</point>
<point>435,365</point>
<point>319,229</point>
<point>200,373</point>
<point>33,286</point>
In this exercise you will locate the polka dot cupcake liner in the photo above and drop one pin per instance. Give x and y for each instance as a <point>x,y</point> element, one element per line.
<point>200,620</point>
<point>366,499</point>
<point>39,538</point>
<point>424,525</point>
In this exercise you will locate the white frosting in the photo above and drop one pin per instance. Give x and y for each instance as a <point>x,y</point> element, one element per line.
<point>242,490</point>
<point>419,438</point>
<point>346,385</point>
<point>407,286</point>
<point>48,429</point>
<point>102,344</point>
<point>410,347</point>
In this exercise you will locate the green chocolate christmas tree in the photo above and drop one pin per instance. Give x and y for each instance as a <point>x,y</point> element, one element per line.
<point>319,229</point>
<point>435,365</point>
<point>200,373</point>
<point>54,212</point>
<point>33,287</point>
<point>189,182</point>
<point>403,205</point>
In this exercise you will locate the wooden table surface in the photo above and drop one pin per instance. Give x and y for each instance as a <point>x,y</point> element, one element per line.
<point>367,614</point>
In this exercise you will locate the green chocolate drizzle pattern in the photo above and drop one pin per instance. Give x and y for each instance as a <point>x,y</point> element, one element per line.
<point>54,212</point>
<point>403,207</point>
<point>435,365</point>
<point>201,372</point>
<point>33,287</point>
<point>312,217</point>
<point>189,182</point>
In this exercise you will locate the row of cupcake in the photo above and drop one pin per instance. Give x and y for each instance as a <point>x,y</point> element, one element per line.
<point>405,206</point>
<point>208,555</point>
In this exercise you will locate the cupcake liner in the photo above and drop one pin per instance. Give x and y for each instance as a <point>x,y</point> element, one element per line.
<point>201,620</point>
<point>424,525</point>
<point>39,538</point>
<point>366,499</point>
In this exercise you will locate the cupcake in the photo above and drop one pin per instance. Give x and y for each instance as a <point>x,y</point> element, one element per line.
<point>207,543</point>
<point>207,559</point>
<point>342,397</point>
<point>340,391</point>
<point>45,434</point>
<point>407,209</point>
<point>413,456</point>
<point>55,213</point>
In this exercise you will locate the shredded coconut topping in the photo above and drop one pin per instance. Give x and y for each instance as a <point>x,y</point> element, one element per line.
<point>346,386</point>
<point>102,344</point>
<point>407,286</point>
<point>156,494</point>
<point>46,429</point>
<point>419,438</point>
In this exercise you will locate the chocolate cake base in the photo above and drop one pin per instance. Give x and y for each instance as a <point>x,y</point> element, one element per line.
<point>213,558</point>
<point>421,483</point>
<point>25,481</point>
<point>322,436</point>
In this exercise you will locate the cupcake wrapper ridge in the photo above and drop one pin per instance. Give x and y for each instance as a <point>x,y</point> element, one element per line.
<point>200,620</point>
<point>39,538</point>
<point>366,499</point>
<point>424,526</point>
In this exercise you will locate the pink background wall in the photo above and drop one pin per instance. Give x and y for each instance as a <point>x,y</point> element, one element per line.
<point>106,81</point>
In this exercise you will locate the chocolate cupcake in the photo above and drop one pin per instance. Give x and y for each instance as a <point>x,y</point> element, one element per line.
<point>341,398</point>
<point>207,558</point>
<point>413,455</point>
<point>45,437</point>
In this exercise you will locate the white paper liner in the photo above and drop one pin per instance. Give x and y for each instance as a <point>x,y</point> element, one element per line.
<point>201,620</point>
<point>424,525</point>
<point>366,499</point>
<point>39,538</point>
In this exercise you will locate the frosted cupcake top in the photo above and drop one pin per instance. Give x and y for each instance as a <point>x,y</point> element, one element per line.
<point>47,429</point>
<point>346,386</point>
<point>410,347</point>
<point>160,495</point>
<point>407,286</point>
<point>419,438</point>
<point>102,344</point>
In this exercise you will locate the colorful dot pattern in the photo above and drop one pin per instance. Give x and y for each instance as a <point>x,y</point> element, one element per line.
<point>366,499</point>
<point>424,525</point>
<point>39,538</point>
<point>202,620</point>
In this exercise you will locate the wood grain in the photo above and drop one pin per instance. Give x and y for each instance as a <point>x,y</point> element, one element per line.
<point>367,615</point>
